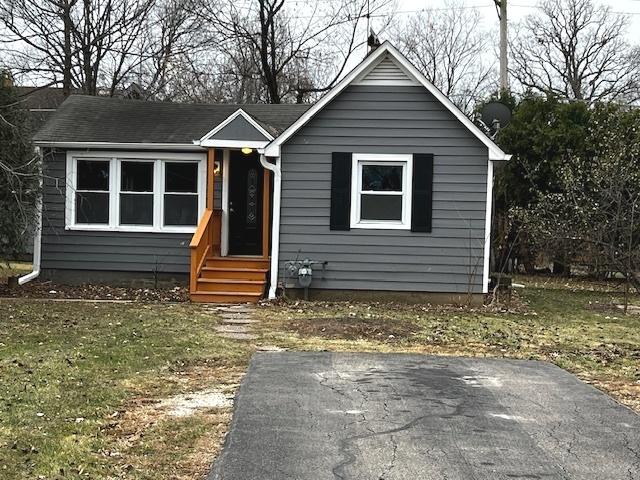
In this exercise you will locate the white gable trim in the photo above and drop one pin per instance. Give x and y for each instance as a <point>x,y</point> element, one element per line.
<point>233,144</point>
<point>495,152</point>
<point>230,119</point>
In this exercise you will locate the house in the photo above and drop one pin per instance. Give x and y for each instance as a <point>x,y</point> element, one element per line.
<point>40,102</point>
<point>383,182</point>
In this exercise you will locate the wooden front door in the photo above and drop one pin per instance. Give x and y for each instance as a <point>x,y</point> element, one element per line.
<point>245,204</point>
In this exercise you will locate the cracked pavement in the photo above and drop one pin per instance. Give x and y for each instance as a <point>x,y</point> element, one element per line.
<point>371,416</point>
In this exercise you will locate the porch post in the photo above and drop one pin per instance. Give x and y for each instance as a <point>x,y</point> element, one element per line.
<point>265,212</point>
<point>211,181</point>
<point>211,177</point>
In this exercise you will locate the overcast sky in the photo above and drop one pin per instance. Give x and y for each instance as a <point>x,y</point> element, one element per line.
<point>520,8</point>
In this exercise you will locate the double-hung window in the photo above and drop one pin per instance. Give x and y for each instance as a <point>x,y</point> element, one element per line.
<point>180,193</point>
<point>92,184</point>
<point>135,192</point>
<point>381,196</point>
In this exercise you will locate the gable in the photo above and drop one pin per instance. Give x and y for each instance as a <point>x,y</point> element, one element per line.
<point>385,72</point>
<point>386,50</point>
<point>239,129</point>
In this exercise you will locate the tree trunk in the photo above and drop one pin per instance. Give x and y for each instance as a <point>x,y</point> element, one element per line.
<point>67,26</point>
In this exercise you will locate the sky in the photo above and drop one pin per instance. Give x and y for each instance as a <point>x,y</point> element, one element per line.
<point>517,9</point>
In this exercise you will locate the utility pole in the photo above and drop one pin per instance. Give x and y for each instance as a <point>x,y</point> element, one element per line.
<point>501,7</point>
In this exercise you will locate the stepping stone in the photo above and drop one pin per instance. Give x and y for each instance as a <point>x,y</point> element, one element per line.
<point>240,321</point>
<point>240,308</point>
<point>236,315</point>
<point>239,336</point>
<point>270,348</point>
<point>232,329</point>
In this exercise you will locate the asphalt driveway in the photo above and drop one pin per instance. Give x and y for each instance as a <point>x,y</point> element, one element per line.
<point>382,417</point>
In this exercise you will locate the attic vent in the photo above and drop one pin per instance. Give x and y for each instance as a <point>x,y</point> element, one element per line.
<point>386,72</point>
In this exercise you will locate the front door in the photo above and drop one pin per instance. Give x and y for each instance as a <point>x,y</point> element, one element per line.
<point>245,204</point>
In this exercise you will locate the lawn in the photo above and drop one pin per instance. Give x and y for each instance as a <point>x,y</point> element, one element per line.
<point>79,385</point>
<point>82,385</point>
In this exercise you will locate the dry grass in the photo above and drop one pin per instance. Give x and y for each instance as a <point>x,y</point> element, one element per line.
<point>553,321</point>
<point>12,269</point>
<point>84,385</point>
<point>81,384</point>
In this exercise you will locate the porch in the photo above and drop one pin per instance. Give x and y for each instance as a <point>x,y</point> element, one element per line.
<point>230,247</point>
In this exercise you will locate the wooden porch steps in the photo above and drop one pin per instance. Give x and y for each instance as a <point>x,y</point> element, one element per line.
<point>231,280</point>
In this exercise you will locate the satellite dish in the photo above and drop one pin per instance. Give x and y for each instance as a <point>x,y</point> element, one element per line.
<point>496,115</point>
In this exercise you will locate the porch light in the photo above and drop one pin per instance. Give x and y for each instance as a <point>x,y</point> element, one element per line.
<point>216,167</point>
<point>246,150</point>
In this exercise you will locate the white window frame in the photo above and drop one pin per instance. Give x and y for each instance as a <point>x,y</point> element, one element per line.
<point>115,159</point>
<point>118,163</point>
<point>360,159</point>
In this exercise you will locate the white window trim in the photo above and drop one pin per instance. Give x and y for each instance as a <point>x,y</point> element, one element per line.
<point>360,159</point>
<point>114,159</point>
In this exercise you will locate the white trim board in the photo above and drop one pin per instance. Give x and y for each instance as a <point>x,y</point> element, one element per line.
<point>273,149</point>
<point>257,145</point>
<point>487,230</point>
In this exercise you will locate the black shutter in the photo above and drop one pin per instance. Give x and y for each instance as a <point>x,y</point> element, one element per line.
<point>421,201</point>
<point>340,191</point>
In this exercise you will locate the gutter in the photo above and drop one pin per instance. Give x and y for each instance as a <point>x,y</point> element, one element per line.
<point>275,223</point>
<point>119,146</point>
<point>37,239</point>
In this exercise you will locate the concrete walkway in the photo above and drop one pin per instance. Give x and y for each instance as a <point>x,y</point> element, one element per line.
<point>384,417</point>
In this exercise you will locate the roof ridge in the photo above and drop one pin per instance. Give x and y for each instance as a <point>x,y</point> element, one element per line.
<point>161,102</point>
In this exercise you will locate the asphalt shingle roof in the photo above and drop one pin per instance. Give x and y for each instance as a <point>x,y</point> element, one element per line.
<point>115,120</point>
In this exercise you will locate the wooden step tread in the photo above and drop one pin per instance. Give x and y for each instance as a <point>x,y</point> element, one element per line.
<point>235,269</point>
<point>232,280</point>
<point>229,294</point>
<point>239,259</point>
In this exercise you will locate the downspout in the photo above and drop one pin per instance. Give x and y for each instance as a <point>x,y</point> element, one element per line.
<point>275,223</point>
<point>37,238</point>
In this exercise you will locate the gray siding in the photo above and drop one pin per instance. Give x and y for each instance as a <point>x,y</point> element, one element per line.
<point>239,129</point>
<point>382,119</point>
<point>107,251</point>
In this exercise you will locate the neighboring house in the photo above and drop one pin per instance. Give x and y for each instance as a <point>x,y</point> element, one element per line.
<point>383,179</point>
<point>40,102</point>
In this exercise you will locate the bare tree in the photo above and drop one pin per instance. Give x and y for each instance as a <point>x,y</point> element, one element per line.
<point>576,50</point>
<point>450,50</point>
<point>95,46</point>
<point>281,55</point>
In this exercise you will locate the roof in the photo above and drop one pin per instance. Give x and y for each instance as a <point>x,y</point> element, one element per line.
<point>115,121</point>
<point>40,98</point>
<point>90,119</point>
<point>375,57</point>
<point>40,102</point>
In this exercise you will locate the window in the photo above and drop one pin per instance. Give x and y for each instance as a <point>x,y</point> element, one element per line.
<point>92,191</point>
<point>138,192</point>
<point>381,196</point>
<point>180,193</point>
